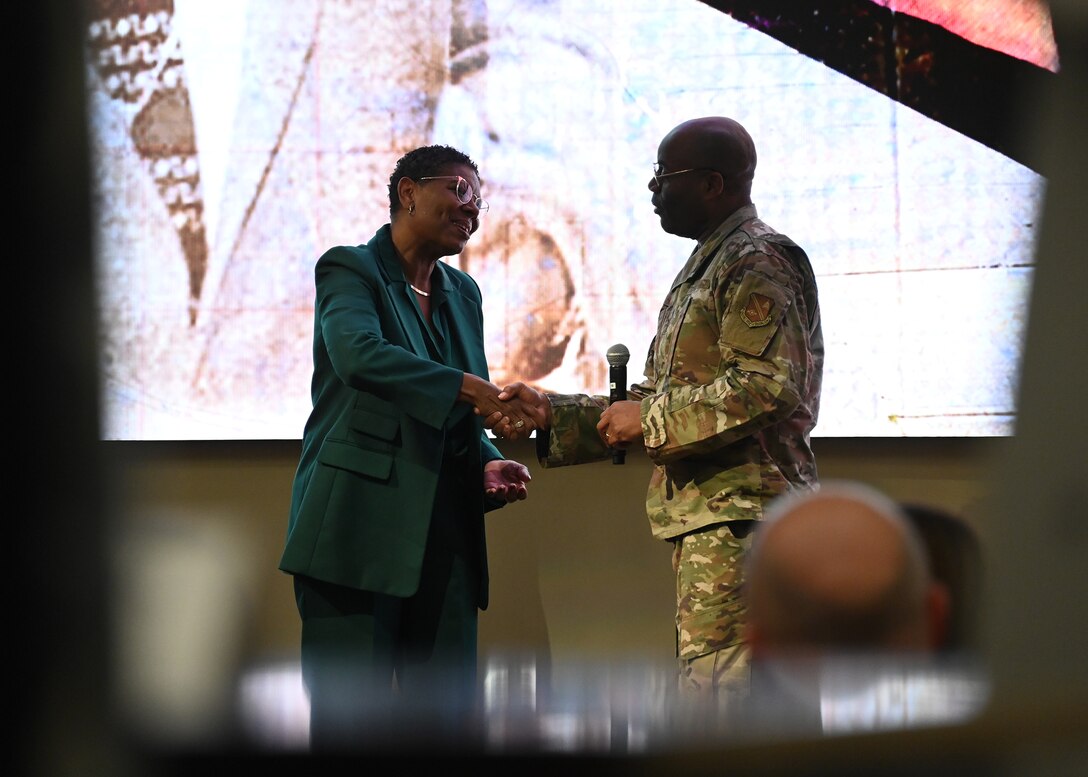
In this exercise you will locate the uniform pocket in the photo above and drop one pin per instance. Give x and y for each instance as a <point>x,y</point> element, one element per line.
<point>755,312</point>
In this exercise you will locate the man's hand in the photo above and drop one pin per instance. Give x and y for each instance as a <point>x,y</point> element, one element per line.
<point>508,419</point>
<point>621,424</point>
<point>536,403</point>
<point>520,400</point>
<point>506,479</point>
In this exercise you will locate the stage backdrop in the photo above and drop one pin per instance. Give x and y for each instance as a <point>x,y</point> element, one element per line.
<point>234,142</point>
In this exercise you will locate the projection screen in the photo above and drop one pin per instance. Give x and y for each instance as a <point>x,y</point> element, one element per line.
<point>234,142</point>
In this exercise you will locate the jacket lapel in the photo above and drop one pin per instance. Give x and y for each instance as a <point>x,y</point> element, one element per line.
<point>463,317</point>
<point>404,306</point>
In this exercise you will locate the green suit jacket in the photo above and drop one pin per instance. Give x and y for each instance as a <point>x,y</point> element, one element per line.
<point>373,445</point>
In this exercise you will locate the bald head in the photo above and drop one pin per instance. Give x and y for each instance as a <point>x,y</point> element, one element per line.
<point>721,144</point>
<point>840,568</point>
<point>708,166</point>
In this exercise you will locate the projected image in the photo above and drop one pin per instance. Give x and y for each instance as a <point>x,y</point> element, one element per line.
<point>235,142</point>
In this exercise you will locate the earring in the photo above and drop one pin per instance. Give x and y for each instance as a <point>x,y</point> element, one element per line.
<point>411,208</point>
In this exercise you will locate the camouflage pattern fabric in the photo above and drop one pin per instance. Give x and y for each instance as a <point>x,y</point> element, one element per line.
<point>730,398</point>
<point>736,366</point>
<point>732,384</point>
<point>720,681</point>
<point>573,437</point>
<point>710,612</point>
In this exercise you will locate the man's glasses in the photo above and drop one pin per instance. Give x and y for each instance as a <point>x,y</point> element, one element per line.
<point>463,191</point>
<point>659,171</point>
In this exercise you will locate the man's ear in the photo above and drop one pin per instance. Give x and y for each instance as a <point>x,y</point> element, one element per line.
<point>715,184</point>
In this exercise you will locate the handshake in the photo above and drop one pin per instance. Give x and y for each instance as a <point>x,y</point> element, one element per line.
<point>510,412</point>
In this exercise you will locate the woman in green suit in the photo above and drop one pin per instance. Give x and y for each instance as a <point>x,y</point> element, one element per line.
<point>386,533</point>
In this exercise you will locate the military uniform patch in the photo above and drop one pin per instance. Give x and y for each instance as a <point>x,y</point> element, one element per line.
<point>758,307</point>
<point>758,310</point>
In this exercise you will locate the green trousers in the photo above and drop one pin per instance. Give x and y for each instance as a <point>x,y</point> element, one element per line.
<point>372,662</point>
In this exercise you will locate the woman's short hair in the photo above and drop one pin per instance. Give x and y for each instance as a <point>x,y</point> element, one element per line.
<point>422,162</point>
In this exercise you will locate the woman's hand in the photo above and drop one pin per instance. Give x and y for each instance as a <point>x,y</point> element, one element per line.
<point>508,419</point>
<point>505,479</point>
<point>521,400</point>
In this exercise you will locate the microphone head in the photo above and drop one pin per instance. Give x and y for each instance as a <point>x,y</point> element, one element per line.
<point>617,355</point>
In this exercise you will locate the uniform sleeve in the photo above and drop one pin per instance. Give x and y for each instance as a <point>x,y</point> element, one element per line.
<point>573,437</point>
<point>740,356</point>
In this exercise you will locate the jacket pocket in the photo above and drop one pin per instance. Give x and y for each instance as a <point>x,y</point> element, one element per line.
<point>374,424</point>
<point>345,455</point>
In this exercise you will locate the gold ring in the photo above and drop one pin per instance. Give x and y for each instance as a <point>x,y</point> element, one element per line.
<point>518,424</point>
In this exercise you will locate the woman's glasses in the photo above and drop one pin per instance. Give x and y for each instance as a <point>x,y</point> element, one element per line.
<point>463,191</point>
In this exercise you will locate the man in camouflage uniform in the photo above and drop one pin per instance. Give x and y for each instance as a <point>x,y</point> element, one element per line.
<point>730,398</point>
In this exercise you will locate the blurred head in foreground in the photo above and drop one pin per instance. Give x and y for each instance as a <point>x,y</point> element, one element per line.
<point>841,569</point>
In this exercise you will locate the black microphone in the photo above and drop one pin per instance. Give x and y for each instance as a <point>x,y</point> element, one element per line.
<point>617,357</point>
